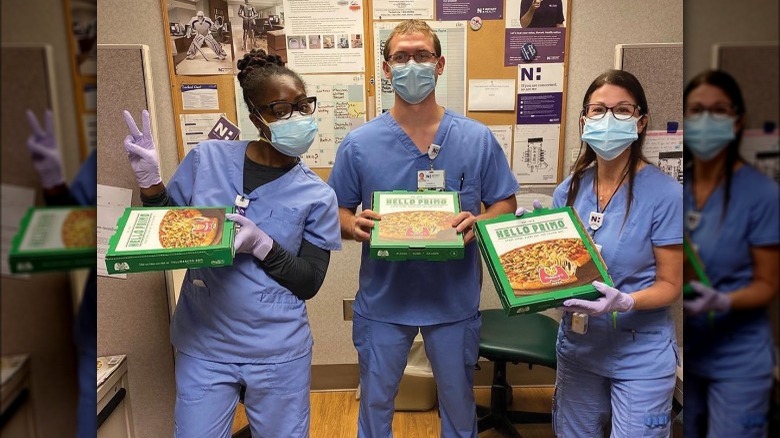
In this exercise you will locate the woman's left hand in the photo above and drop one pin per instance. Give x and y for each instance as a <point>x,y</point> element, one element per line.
<point>613,300</point>
<point>249,238</point>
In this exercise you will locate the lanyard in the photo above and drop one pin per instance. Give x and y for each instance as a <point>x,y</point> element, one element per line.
<point>599,214</point>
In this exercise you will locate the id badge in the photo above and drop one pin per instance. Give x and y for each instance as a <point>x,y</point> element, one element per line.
<point>430,180</point>
<point>579,323</point>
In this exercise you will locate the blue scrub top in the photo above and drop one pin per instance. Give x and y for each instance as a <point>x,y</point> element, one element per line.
<point>380,156</point>
<point>84,185</point>
<point>635,344</point>
<point>239,314</point>
<point>83,188</point>
<point>739,343</point>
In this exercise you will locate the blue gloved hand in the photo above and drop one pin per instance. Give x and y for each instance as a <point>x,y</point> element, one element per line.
<point>708,300</point>
<point>141,152</point>
<point>42,145</point>
<point>249,238</point>
<point>521,210</point>
<point>613,300</point>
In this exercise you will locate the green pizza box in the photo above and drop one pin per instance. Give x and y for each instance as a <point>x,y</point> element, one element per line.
<point>416,226</point>
<point>54,239</point>
<point>539,260</point>
<point>163,238</point>
<point>693,269</point>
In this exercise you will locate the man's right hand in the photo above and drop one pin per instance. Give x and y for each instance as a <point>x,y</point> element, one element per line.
<point>141,151</point>
<point>535,5</point>
<point>364,222</point>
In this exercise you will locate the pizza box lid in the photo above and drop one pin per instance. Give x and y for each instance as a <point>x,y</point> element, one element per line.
<point>417,239</point>
<point>554,283</point>
<point>54,239</point>
<point>137,245</point>
<point>693,269</point>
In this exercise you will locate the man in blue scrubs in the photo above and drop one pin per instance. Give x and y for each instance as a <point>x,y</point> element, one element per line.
<point>440,299</point>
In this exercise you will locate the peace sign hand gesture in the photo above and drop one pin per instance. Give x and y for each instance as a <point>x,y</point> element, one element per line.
<point>141,151</point>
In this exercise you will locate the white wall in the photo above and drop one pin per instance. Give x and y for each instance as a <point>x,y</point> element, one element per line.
<point>717,21</point>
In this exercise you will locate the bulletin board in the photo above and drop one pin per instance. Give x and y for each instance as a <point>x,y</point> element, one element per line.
<point>81,22</point>
<point>484,59</point>
<point>659,68</point>
<point>755,68</point>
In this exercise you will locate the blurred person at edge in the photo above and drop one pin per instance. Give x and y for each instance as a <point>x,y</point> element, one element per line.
<point>618,377</point>
<point>731,218</point>
<point>47,161</point>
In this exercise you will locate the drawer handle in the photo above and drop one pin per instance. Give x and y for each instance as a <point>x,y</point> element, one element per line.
<point>109,408</point>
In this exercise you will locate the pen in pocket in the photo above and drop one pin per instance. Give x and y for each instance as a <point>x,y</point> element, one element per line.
<point>462,175</point>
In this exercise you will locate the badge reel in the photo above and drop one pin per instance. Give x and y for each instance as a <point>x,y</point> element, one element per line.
<point>692,219</point>
<point>242,202</point>
<point>431,179</point>
<point>579,323</point>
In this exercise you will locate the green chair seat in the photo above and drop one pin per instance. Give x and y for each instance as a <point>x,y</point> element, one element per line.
<point>528,338</point>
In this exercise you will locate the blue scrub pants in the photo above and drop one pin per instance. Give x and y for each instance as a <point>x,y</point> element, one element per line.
<point>87,404</point>
<point>383,349</point>
<point>584,402</point>
<point>737,407</point>
<point>276,399</point>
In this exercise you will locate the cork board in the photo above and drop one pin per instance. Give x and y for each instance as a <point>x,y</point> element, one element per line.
<point>659,68</point>
<point>755,67</point>
<point>138,304</point>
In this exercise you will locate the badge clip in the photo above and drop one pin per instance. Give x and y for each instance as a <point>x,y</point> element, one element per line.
<point>242,202</point>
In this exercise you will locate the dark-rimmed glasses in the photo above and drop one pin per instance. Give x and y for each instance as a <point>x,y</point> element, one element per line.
<point>621,111</point>
<point>419,57</point>
<point>283,110</point>
<point>721,110</point>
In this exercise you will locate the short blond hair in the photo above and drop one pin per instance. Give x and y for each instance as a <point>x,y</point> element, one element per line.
<point>407,27</point>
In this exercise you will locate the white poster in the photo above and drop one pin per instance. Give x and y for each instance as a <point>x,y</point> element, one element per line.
<point>535,156</point>
<point>341,107</point>
<point>16,201</point>
<point>195,128</point>
<point>325,36</point>
<point>763,151</point>
<point>111,204</point>
<point>451,85</point>
<point>529,193</point>
<point>491,95</point>
<point>199,97</point>
<point>503,134</point>
<point>665,150</point>
<point>402,9</point>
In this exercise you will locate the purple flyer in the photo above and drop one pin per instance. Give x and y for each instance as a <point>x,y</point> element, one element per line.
<point>455,10</point>
<point>224,129</point>
<point>535,45</point>
<point>539,108</point>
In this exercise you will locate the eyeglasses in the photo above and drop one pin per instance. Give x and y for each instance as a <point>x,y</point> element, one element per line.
<point>403,58</point>
<point>720,110</point>
<point>622,111</point>
<point>283,110</point>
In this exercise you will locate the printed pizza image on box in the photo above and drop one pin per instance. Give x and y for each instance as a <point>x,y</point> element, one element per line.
<point>693,270</point>
<point>416,225</point>
<point>540,259</point>
<point>55,238</point>
<point>153,239</point>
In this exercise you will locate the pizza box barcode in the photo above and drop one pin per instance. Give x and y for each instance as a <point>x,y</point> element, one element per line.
<point>693,270</point>
<point>163,238</point>
<point>541,259</point>
<point>416,226</point>
<point>54,239</point>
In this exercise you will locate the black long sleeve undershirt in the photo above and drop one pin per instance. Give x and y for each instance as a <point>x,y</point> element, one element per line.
<point>304,273</point>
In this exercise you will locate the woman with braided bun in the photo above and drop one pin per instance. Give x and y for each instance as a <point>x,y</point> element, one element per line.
<point>246,325</point>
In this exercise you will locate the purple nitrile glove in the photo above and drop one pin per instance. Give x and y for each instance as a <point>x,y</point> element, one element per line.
<point>250,238</point>
<point>141,152</point>
<point>521,210</point>
<point>45,154</point>
<point>709,299</point>
<point>613,300</point>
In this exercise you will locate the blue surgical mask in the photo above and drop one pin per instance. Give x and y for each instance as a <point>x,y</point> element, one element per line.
<point>414,82</point>
<point>608,136</point>
<point>706,136</point>
<point>292,137</point>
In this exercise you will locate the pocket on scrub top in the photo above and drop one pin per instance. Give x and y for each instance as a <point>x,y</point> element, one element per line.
<point>469,194</point>
<point>286,227</point>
